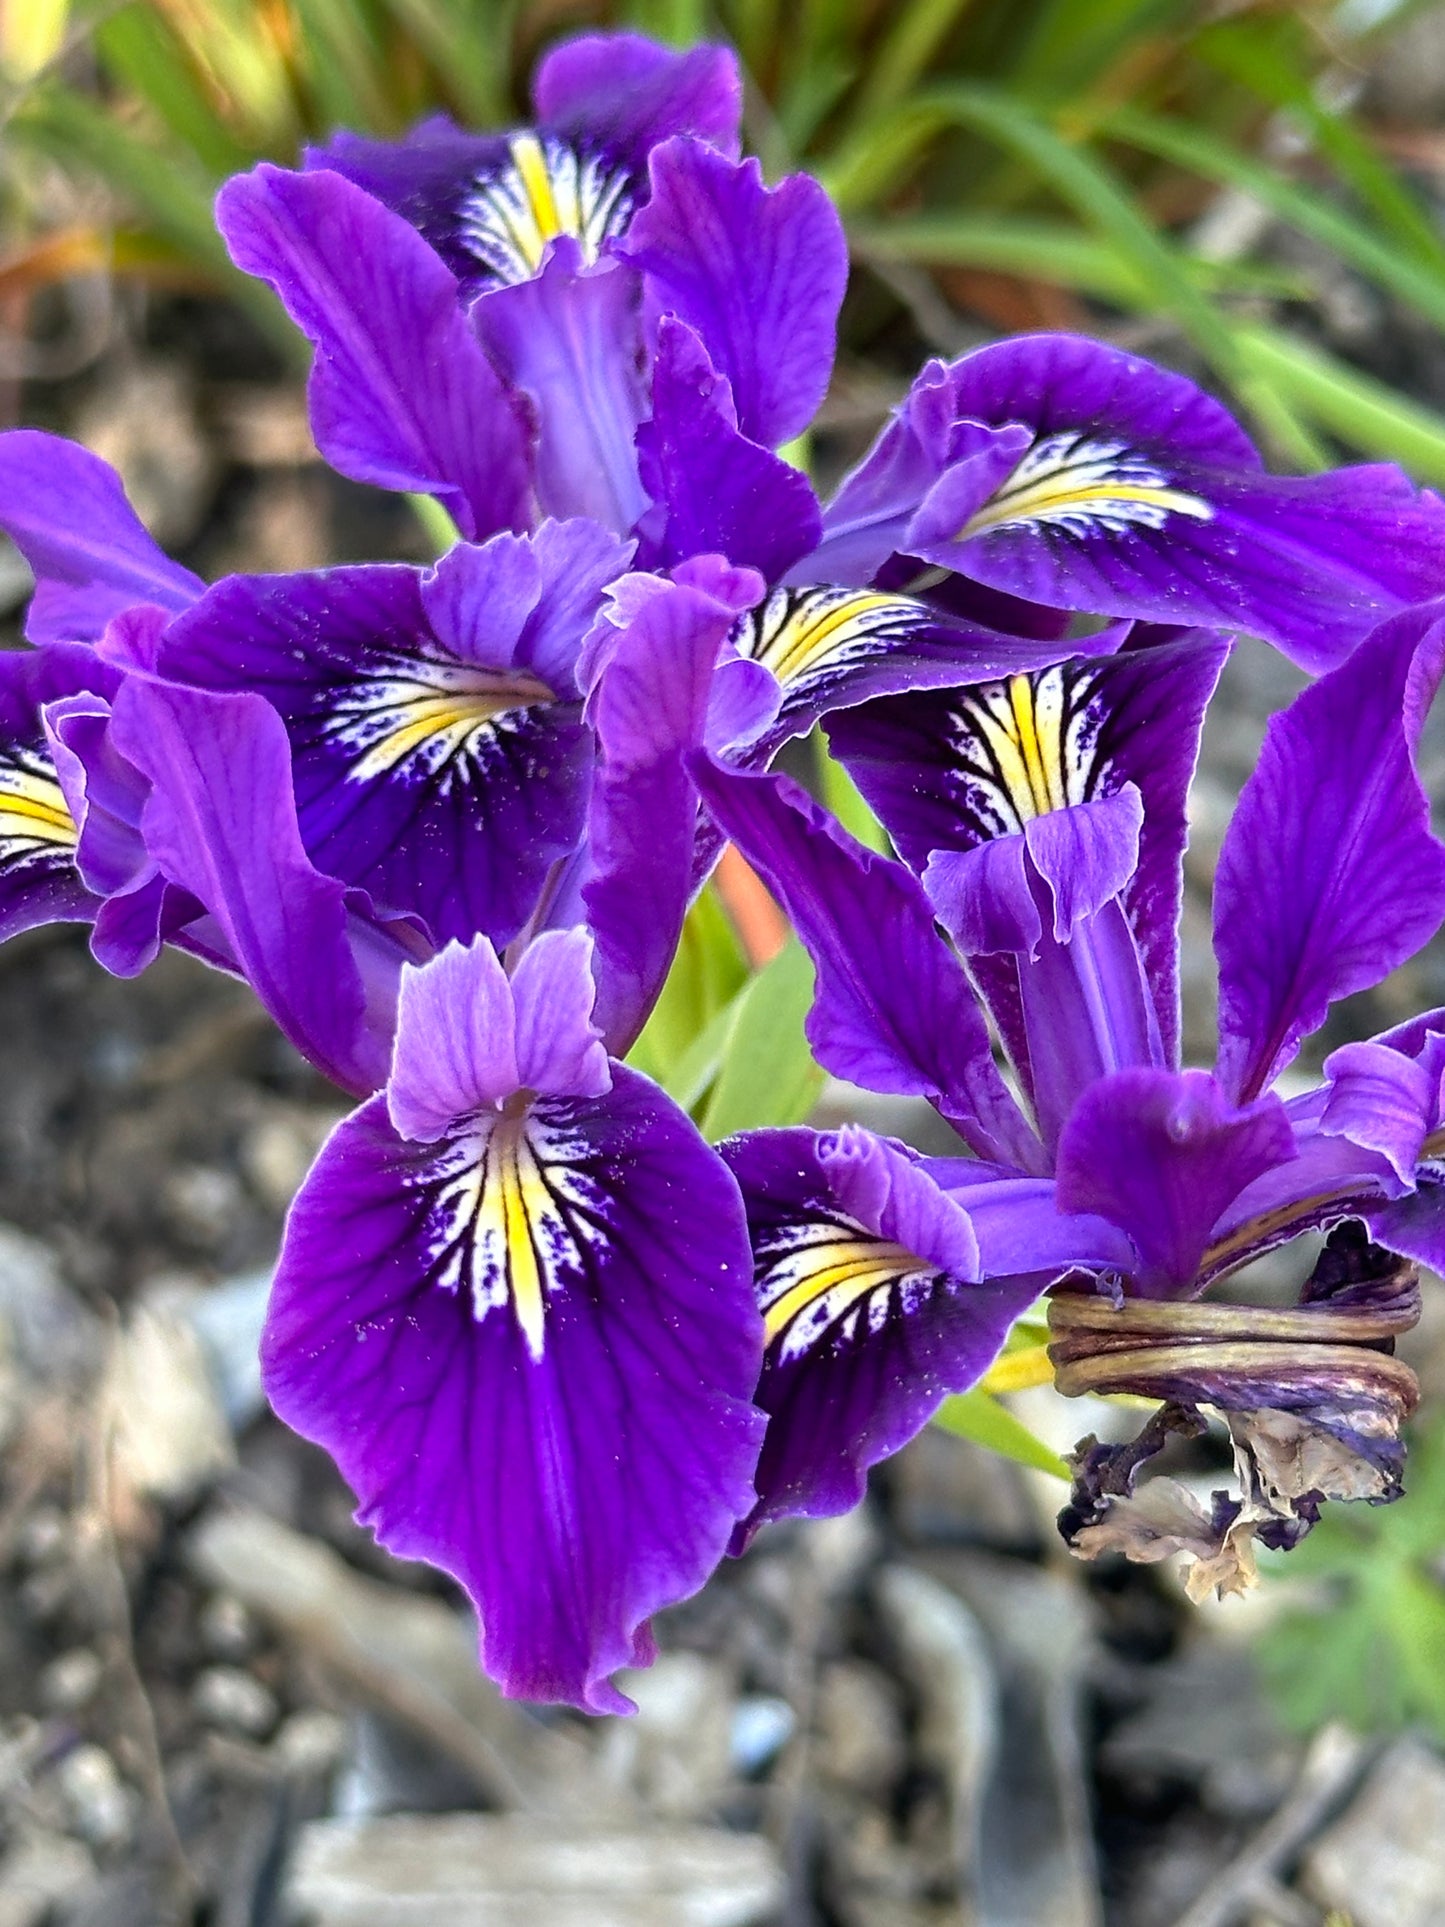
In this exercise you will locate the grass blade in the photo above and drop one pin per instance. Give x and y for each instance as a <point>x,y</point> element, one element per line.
<point>977,1416</point>
<point>767,1075</point>
<point>1199,152</point>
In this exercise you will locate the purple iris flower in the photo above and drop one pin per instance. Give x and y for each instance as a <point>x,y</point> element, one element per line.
<point>514,1298</point>
<point>1066,473</point>
<point>486,308</point>
<point>609,315</point>
<point>1051,475</point>
<point>1042,823</point>
<point>439,755</point>
<point>69,845</point>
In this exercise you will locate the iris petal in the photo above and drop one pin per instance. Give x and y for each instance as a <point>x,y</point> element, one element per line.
<point>530,1347</point>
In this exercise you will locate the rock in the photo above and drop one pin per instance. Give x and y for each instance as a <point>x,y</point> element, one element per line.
<point>203,1203</point>
<point>1033,1852</point>
<point>40,1869</point>
<point>227,1630</point>
<point>409,1657</point>
<point>471,1870</point>
<point>142,420</point>
<point>227,1319</point>
<point>859,1725</point>
<point>946,1490</point>
<point>70,1681</point>
<point>391,1768</point>
<point>52,1333</point>
<point>762,1724</point>
<point>101,1805</point>
<point>1205,1722</point>
<point>676,1753</point>
<point>311,1744</point>
<point>16,579</point>
<point>946,1660</point>
<point>277,1152</point>
<point>266,427</point>
<point>1382,1864</point>
<point>229,1697</point>
<point>135,1896</point>
<point>169,1434</point>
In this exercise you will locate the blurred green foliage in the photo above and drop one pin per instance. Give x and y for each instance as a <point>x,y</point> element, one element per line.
<point>1020,149</point>
<point>1367,1643</point>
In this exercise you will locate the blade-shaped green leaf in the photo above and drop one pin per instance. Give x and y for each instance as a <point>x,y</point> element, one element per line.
<point>172,196</point>
<point>1365,414</point>
<point>1266,56</point>
<point>469,44</point>
<point>706,975</point>
<point>767,1075</point>
<point>977,1416</point>
<point>1197,150</point>
<point>138,47</point>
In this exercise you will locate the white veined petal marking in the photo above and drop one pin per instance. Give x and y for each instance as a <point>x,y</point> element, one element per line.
<point>1027,746</point>
<point>799,633</point>
<point>421,716</point>
<point>35,821</point>
<point>831,1281</point>
<point>515,1219</point>
<point>1084,488</point>
<point>544,188</point>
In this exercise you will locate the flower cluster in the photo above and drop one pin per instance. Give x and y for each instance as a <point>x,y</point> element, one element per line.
<point>447,823</point>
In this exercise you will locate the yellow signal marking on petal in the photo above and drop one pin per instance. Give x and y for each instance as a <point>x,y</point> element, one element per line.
<point>1049,499</point>
<point>1021,700</point>
<point>1086,487</point>
<point>522,1201</point>
<point>812,637</point>
<point>513,1218</point>
<point>453,717</point>
<point>33,811</point>
<point>836,1273</point>
<point>797,631</point>
<point>536,179</point>
<point>425,705</point>
<point>1034,732</point>
<point>544,188</point>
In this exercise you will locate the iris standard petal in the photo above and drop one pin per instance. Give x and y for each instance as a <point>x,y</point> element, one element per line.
<point>1328,877</point>
<point>492,204</point>
<point>892,1009</point>
<point>951,772</point>
<point>468,1037</point>
<point>713,490</point>
<point>757,272</point>
<point>423,177</point>
<point>1065,979</point>
<point>529,1346</point>
<point>874,1308</point>
<point>401,393</point>
<point>571,342</point>
<point>66,511</point>
<point>623,90</point>
<point>633,878</point>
